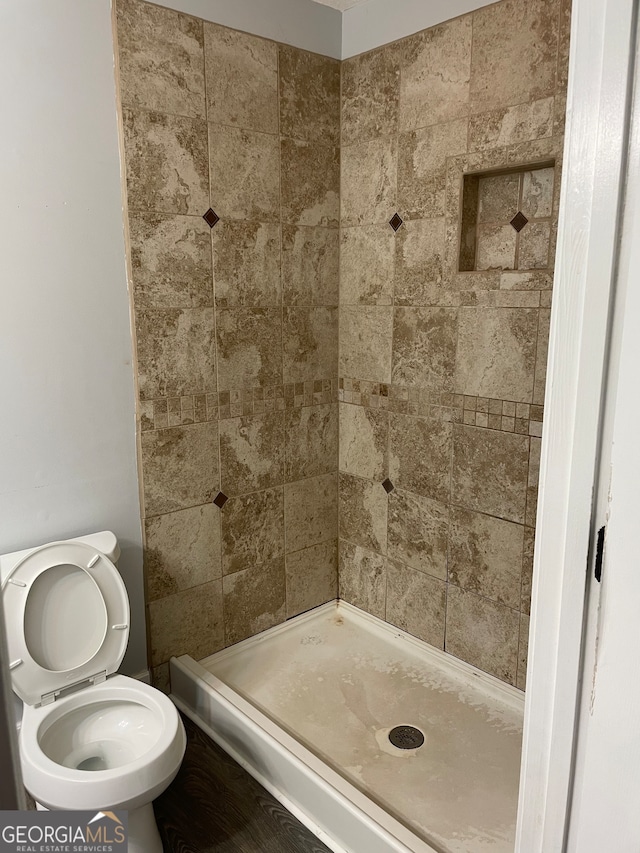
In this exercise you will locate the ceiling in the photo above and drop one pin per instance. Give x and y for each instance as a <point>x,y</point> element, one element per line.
<point>342,5</point>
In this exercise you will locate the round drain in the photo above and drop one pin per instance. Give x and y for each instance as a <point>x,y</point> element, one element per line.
<point>406,737</point>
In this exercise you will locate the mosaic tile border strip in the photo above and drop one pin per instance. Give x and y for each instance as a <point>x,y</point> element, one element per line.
<point>502,415</point>
<point>180,411</point>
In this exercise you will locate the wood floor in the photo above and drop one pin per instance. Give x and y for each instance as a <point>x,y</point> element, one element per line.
<point>214,806</point>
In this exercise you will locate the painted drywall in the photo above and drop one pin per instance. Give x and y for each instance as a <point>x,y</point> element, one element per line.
<point>67,431</point>
<point>302,23</point>
<point>378,22</point>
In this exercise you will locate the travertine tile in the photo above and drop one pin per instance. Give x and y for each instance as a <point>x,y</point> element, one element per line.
<point>564,32</point>
<point>363,441</point>
<point>542,353</point>
<point>254,600</point>
<point>312,577</point>
<point>435,74</point>
<point>496,247</point>
<point>180,467</point>
<point>310,343</point>
<point>417,533</point>
<point>426,471</point>
<point>523,653</point>
<point>161,59</point>
<point>182,550</point>
<point>420,253</point>
<point>367,263</point>
<point>247,263</point>
<point>170,261</point>
<point>537,192</point>
<point>496,352</point>
<point>252,453</point>
<point>424,347</point>
<point>483,633</point>
<point>249,347</point>
<point>310,180</point>
<point>311,436</point>
<point>370,95</point>
<point>365,342</point>
<point>310,511</point>
<point>485,556</point>
<point>166,162</point>
<point>310,265</point>
<point>533,251</point>
<point>176,352</point>
<point>416,603</point>
<point>527,569</point>
<point>362,578</point>
<point>498,198</point>
<point>522,67</point>
<point>252,529</point>
<point>161,678</point>
<point>368,182</point>
<point>309,95</point>
<point>490,471</point>
<point>363,512</point>
<point>187,623</point>
<point>422,156</point>
<point>242,79</point>
<point>532,481</point>
<point>245,174</point>
<point>511,125</point>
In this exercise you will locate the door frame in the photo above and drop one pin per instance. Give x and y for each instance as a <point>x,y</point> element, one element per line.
<point>600,74</point>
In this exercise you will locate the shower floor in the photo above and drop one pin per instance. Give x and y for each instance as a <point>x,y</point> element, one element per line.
<point>338,680</point>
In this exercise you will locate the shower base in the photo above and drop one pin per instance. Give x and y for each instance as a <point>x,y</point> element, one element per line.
<point>307,708</point>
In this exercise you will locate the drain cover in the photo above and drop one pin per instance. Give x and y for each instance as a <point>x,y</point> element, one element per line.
<point>406,737</point>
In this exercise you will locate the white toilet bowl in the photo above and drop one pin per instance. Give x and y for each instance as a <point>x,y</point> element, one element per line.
<point>87,741</point>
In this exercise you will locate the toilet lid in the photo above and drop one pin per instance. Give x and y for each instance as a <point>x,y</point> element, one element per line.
<point>67,617</point>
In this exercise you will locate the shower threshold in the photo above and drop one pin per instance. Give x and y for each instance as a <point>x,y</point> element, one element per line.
<point>307,708</point>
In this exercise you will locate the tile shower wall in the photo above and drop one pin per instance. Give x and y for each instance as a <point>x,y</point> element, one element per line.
<point>231,147</point>
<point>442,372</point>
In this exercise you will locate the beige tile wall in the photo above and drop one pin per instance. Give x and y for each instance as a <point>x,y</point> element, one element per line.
<point>442,372</point>
<point>235,325</point>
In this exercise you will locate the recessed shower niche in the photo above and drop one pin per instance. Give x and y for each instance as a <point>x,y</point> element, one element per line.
<point>507,219</point>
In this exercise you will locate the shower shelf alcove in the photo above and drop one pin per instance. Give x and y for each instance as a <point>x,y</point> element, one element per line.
<point>307,707</point>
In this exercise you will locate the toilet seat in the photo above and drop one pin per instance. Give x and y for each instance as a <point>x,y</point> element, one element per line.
<point>67,614</point>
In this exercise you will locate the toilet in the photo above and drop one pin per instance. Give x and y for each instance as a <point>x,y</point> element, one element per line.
<point>90,738</point>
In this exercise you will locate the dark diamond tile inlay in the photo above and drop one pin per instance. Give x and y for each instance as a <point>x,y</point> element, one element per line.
<point>519,221</point>
<point>211,218</point>
<point>388,486</point>
<point>220,499</point>
<point>395,222</point>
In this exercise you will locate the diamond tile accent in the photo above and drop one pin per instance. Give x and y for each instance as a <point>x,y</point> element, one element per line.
<point>519,221</point>
<point>211,218</point>
<point>387,485</point>
<point>220,499</point>
<point>396,221</point>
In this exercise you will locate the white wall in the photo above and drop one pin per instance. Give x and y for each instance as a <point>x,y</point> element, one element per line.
<point>379,22</point>
<point>67,426</point>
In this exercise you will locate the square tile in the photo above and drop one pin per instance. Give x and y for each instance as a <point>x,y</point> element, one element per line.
<point>367,264</point>
<point>490,471</point>
<point>418,529</point>
<point>310,343</point>
<point>483,633</point>
<point>310,511</point>
<point>365,342</point>
<point>542,354</point>
<point>310,180</point>
<point>363,512</point>
<point>511,125</point>
<point>254,600</point>
<point>247,264</point>
<point>311,437</point>
<point>310,265</point>
<point>534,248</point>
<point>428,472</point>
<point>252,453</point>
<point>420,260</point>
<point>309,95</point>
<point>498,197</point>
<point>532,481</point>
<point>179,467</point>
<point>364,435</point>
<point>166,163</point>
<point>424,347</point>
<point>187,623</point>
<point>523,653</point>
<point>537,192</point>
<point>242,79</point>
<point>252,529</point>
<point>245,174</point>
<point>312,577</point>
<point>496,247</point>
<point>370,95</point>
<point>416,603</point>
<point>362,578</point>
<point>182,550</point>
<point>368,182</point>
<point>249,347</point>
